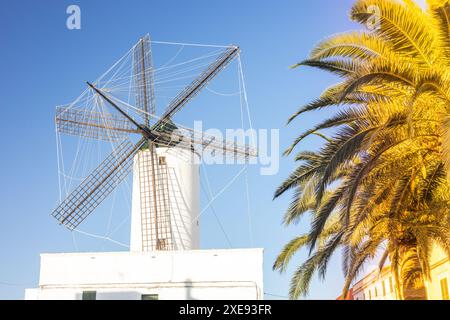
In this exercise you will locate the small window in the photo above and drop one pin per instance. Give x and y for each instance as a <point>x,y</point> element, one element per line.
<point>162,160</point>
<point>391,287</point>
<point>383,284</point>
<point>150,297</point>
<point>89,295</point>
<point>444,288</point>
<point>162,244</point>
<point>376,292</point>
<point>370,295</point>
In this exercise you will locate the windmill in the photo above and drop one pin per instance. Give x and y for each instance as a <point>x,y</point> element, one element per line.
<point>155,209</point>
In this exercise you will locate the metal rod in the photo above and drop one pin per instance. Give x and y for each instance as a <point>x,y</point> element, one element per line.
<point>144,80</point>
<point>144,129</point>
<point>99,126</point>
<point>152,149</point>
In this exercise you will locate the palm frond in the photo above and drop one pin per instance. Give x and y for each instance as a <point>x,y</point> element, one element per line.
<point>354,45</point>
<point>405,29</point>
<point>288,251</point>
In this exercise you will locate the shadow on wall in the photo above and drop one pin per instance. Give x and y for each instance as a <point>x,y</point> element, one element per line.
<point>188,286</point>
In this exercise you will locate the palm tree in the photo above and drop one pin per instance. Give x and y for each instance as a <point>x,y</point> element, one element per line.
<point>399,217</point>
<point>379,184</point>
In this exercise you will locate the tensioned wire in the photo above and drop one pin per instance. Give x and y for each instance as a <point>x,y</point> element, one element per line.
<point>241,100</point>
<point>97,236</point>
<point>156,71</point>
<point>162,69</point>
<point>209,195</point>
<point>106,237</point>
<point>75,164</point>
<point>190,44</point>
<point>121,62</point>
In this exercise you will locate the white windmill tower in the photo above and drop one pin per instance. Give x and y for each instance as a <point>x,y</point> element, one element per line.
<point>164,258</point>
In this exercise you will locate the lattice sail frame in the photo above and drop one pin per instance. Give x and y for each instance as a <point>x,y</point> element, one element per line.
<point>155,217</point>
<point>199,142</point>
<point>92,124</point>
<point>156,222</point>
<point>199,83</point>
<point>97,186</point>
<point>143,78</point>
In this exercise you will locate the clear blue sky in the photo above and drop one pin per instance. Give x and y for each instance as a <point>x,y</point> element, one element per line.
<point>43,64</point>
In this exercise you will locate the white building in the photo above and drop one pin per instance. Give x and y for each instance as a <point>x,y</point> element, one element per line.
<point>193,274</point>
<point>164,261</point>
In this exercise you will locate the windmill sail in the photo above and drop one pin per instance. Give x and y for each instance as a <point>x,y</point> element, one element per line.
<point>97,186</point>
<point>143,78</point>
<point>198,84</point>
<point>197,141</point>
<point>156,226</point>
<point>93,125</point>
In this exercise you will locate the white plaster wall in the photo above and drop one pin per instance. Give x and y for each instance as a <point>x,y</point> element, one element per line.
<point>191,274</point>
<point>184,199</point>
<point>191,291</point>
<point>440,269</point>
<point>32,294</point>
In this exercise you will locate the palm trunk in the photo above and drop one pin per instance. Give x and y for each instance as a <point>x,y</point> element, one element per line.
<point>398,286</point>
